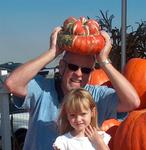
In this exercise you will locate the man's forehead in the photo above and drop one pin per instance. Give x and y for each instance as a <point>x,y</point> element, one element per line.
<point>71,56</point>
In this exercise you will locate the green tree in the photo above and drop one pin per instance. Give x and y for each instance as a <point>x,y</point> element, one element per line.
<point>135,39</point>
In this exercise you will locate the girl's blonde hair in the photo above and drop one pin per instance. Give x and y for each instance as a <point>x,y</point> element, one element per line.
<point>75,101</point>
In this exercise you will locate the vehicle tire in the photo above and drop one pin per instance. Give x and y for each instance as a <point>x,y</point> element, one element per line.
<point>18,140</point>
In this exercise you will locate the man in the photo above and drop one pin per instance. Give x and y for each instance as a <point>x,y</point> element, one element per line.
<point>43,96</point>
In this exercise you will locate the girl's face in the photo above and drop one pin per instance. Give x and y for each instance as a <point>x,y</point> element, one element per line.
<point>79,121</point>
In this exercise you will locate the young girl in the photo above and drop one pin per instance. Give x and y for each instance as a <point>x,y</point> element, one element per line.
<point>77,124</point>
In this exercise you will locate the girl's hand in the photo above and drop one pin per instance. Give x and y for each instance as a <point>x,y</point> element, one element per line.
<point>92,134</point>
<point>95,138</point>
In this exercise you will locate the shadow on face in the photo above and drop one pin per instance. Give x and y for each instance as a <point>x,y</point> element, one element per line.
<point>81,60</point>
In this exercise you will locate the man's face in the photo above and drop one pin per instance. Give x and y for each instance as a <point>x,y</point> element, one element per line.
<point>75,71</point>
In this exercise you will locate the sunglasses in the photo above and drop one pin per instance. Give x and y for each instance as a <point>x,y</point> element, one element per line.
<point>74,67</point>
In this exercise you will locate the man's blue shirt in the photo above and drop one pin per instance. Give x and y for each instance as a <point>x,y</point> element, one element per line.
<point>43,103</point>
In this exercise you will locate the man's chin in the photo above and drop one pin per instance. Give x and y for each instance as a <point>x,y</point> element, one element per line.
<point>74,86</point>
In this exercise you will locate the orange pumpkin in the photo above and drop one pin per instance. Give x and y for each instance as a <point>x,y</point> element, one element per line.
<point>81,36</point>
<point>107,124</point>
<point>135,72</point>
<point>130,135</point>
<point>110,126</point>
<point>99,77</point>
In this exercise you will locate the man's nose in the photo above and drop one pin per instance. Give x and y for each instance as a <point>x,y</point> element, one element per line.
<point>79,72</point>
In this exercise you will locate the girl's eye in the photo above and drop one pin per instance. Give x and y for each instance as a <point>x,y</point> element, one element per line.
<point>83,114</point>
<point>72,115</point>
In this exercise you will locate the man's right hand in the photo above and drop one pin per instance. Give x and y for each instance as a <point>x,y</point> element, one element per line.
<point>53,42</point>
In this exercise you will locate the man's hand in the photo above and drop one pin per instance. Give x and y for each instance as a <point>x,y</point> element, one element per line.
<point>53,42</point>
<point>104,54</point>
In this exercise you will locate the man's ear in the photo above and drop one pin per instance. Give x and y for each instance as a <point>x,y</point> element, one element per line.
<point>61,67</point>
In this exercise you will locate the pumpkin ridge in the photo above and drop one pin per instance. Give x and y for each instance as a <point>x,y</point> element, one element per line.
<point>129,135</point>
<point>76,33</point>
<point>131,120</point>
<point>140,128</point>
<point>135,72</point>
<point>140,113</point>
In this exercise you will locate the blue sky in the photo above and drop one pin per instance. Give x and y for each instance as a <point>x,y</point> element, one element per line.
<point>25,25</point>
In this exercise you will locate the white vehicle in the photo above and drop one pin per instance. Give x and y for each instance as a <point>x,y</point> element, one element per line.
<point>19,125</point>
<point>18,120</point>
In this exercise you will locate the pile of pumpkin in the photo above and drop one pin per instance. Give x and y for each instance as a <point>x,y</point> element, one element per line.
<point>130,133</point>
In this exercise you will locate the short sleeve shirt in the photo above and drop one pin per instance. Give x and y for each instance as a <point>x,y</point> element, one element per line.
<point>42,101</point>
<point>68,142</point>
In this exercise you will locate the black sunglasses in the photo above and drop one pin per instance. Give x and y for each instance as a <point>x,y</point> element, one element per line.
<point>74,67</point>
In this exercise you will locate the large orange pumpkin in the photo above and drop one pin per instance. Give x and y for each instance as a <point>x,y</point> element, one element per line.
<point>99,77</point>
<point>131,134</point>
<point>107,124</point>
<point>81,36</point>
<point>135,72</point>
<point>110,126</point>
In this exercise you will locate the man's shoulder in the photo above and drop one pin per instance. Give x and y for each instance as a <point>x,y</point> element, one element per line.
<point>100,92</point>
<point>99,88</point>
<point>42,81</point>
